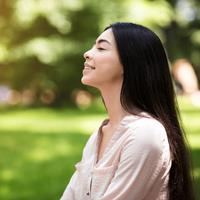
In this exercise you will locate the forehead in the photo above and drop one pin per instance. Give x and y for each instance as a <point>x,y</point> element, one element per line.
<point>107,35</point>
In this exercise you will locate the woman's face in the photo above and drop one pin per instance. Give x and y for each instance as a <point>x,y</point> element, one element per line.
<point>102,65</point>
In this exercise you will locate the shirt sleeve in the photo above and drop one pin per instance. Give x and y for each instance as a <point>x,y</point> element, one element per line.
<point>69,191</point>
<point>139,165</point>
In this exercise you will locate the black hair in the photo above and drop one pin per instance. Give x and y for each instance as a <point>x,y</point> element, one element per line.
<point>147,85</point>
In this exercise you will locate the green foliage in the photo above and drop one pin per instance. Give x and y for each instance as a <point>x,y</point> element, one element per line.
<point>42,42</point>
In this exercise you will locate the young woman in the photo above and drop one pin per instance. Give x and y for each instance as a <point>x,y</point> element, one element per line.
<point>139,152</point>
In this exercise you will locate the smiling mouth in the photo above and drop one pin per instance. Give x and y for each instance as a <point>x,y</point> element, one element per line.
<point>87,66</point>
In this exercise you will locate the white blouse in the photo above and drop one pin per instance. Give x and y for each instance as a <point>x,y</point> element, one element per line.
<point>135,164</point>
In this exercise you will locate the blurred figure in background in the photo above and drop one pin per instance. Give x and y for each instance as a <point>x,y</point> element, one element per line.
<point>186,80</point>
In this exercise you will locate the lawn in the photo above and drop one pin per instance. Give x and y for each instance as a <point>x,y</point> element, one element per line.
<point>38,148</point>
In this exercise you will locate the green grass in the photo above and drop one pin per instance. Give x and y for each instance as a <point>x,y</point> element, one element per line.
<point>191,121</point>
<point>39,147</point>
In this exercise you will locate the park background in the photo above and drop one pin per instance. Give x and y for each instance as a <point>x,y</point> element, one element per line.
<point>46,114</point>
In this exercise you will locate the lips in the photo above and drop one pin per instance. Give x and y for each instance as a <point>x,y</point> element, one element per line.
<point>87,66</point>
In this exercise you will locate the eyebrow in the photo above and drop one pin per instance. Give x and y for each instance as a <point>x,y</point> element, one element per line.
<point>103,40</point>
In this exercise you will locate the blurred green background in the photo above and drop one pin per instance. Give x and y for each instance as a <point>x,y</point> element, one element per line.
<point>46,114</point>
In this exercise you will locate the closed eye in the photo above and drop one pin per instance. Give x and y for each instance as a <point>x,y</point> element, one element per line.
<point>100,48</point>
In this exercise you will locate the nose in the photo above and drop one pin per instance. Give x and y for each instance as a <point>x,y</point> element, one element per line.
<point>87,54</point>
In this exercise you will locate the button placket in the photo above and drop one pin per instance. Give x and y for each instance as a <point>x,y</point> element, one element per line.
<point>89,186</point>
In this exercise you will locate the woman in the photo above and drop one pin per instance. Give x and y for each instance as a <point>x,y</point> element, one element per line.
<point>139,152</point>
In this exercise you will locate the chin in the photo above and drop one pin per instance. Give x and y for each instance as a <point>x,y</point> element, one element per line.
<point>88,82</point>
<point>85,81</point>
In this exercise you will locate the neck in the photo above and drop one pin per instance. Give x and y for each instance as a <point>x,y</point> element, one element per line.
<point>111,96</point>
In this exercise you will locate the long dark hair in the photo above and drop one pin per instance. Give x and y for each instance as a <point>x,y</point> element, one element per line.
<point>147,85</point>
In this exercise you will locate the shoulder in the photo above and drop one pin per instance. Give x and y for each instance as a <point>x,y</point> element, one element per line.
<point>147,132</point>
<point>147,125</point>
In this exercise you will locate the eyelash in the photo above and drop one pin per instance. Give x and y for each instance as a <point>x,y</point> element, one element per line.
<point>101,49</point>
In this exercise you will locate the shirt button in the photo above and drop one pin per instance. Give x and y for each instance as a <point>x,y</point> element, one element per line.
<point>87,193</point>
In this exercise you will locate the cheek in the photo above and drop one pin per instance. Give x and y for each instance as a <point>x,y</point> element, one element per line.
<point>109,68</point>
